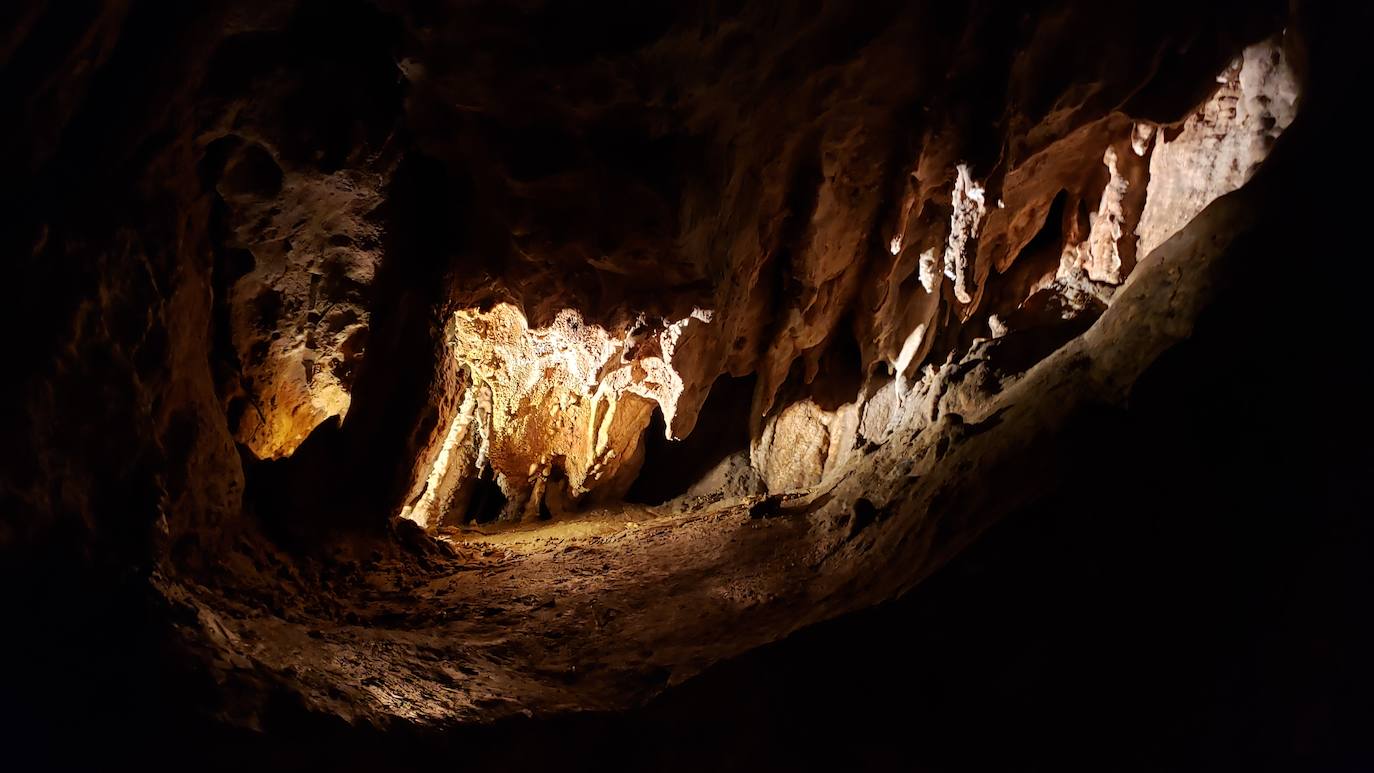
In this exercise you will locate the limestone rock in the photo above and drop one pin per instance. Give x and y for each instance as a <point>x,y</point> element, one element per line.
<point>288,271</point>
<point>1218,147</point>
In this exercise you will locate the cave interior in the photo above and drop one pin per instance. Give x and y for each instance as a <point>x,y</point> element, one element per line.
<point>602,385</point>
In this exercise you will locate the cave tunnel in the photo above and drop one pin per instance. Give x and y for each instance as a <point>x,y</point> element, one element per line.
<point>707,384</point>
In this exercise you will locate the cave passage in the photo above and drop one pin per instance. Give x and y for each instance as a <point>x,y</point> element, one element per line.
<point>435,376</point>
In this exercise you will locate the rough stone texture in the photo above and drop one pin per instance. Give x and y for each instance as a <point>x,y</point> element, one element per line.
<point>292,269</point>
<point>1094,168</point>
<point>296,117</point>
<point>567,394</point>
<point>841,522</point>
<point>1218,147</point>
<point>579,614</point>
<point>299,313</point>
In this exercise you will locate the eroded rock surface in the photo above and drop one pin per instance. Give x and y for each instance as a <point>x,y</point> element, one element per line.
<point>1220,146</point>
<point>474,262</point>
<point>1053,237</point>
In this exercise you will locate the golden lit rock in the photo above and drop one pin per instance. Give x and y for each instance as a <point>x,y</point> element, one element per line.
<point>562,405</point>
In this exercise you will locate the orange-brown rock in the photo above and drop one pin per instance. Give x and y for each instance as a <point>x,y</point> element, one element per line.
<point>407,367</point>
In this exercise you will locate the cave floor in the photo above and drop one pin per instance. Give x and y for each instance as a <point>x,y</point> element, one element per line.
<point>600,522</point>
<point>599,602</point>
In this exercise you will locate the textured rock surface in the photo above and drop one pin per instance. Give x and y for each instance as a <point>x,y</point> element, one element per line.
<point>1217,148</point>
<point>594,611</point>
<point>299,313</point>
<point>965,255</point>
<point>294,269</point>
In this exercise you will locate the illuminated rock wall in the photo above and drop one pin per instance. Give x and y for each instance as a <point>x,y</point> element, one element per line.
<point>1048,237</point>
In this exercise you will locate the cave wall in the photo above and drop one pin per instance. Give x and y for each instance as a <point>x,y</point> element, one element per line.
<point>117,437</point>
<point>801,209</point>
<point>766,182</point>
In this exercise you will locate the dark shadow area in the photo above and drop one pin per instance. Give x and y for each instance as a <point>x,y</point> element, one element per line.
<point>347,93</point>
<point>836,377</point>
<point>672,466</point>
<point>344,473</point>
<point>488,500</point>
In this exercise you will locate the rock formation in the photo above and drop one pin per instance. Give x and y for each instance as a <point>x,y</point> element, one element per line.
<point>423,365</point>
<point>572,398</point>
